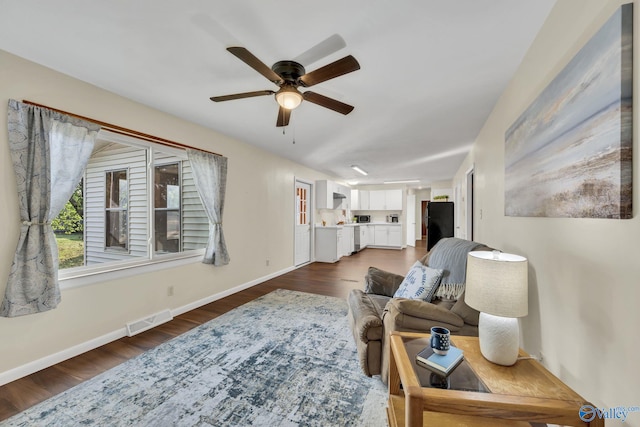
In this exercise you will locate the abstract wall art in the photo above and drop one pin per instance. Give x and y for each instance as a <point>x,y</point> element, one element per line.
<point>569,153</point>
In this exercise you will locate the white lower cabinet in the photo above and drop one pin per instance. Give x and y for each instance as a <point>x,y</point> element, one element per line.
<point>332,243</point>
<point>380,235</point>
<point>387,235</point>
<point>395,235</point>
<point>348,241</point>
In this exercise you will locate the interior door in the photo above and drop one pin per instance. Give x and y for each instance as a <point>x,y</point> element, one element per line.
<point>411,220</point>
<point>303,223</point>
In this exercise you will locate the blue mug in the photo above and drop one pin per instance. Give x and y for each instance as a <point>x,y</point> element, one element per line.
<point>440,340</point>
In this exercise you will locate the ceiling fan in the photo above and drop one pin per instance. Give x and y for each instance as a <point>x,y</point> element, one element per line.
<point>289,76</point>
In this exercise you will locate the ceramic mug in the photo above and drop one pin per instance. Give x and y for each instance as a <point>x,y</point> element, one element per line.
<point>440,340</point>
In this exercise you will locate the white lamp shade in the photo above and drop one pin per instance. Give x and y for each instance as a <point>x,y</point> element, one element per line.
<point>497,283</point>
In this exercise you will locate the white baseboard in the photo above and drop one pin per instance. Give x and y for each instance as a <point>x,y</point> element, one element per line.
<point>61,356</point>
<point>204,301</point>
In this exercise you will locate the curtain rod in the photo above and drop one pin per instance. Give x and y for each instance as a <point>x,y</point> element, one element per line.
<point>123,131</point>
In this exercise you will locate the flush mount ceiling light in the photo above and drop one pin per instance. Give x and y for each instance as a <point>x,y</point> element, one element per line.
<point>357,169</point>
<point>288,97</point>
<point>406,181</point>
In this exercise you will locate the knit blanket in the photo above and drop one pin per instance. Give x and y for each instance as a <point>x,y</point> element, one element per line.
<point>450,255</point>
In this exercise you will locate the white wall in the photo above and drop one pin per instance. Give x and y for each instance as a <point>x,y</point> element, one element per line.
<point>584,275</point>
<point>258,221</point>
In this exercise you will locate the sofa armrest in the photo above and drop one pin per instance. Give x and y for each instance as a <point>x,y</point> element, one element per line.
<point>410,315</point>
<point>365,317</point>
<point>382,282</point>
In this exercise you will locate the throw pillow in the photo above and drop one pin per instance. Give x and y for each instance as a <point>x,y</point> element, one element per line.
<point>420,282</point>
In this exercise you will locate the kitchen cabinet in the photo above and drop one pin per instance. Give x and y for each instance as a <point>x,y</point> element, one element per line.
<point>364,200</point>
<point>393,200</point>
<point>385,200</point>
<point>329,246</point>
<point>359,200</point>
<point>377,200</point>
<point>365,235</point>
<point>348,241</point>
<point>331,195</point>
<point>387,235</point>
<point>355,200</point>
<point>395,235</point>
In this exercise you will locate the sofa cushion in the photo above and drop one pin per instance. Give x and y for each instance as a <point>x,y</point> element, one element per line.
<point>420,282</point>
<point>418,315</point>
<point>381,282</point>
<point>468,314</point>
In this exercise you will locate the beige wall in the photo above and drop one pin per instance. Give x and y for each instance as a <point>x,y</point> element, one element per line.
<point>258,220</point>
<point>584,278</point>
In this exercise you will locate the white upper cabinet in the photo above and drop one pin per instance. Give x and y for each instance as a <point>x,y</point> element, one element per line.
<point>385,200</point>
<point>331,195</point>
<point>364,200</point>
<point>393,200</point>
<point>355,200</point>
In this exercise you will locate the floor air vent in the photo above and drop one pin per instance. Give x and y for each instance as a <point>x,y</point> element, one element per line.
<point>147,323</point>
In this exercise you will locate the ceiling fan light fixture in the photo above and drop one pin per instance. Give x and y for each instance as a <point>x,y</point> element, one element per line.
<point>288,97</point>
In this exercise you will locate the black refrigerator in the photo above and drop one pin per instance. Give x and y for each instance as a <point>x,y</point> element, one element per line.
<point>439,222</point>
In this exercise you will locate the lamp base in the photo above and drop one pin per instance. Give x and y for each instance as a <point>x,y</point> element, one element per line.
<point>499,339</point>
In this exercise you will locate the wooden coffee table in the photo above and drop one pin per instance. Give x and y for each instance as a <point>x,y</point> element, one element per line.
<point>487,394</point>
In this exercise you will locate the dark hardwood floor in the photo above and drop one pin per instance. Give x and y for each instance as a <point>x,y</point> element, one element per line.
<point>319,278</point>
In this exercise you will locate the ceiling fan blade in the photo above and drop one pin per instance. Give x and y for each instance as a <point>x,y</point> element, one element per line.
<point>327,102</point>
<point>340,67</point>
<point>325,48</point>
<point>241,95</point>
<point>283,117</point>
<point>248,58</point>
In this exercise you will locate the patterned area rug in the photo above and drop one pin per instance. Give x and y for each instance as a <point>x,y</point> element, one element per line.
<point>285,359</point>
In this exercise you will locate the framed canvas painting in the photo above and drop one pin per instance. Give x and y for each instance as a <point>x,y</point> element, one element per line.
<point>569,153</point>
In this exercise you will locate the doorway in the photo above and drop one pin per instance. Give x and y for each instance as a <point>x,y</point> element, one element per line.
<point>302,244</point>
<point>423,215</point>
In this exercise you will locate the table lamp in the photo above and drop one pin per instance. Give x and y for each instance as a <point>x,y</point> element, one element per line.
<point>496,286</point>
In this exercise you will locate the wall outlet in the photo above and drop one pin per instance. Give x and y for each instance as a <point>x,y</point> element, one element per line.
<point>540,357</point>
<point>267,263</point>
<point>170,291</point>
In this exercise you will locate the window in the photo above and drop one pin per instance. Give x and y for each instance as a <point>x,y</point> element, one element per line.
<point>137,204</point>
<point>167,208</point>
<point>116,224</point>
<point>301,194</point>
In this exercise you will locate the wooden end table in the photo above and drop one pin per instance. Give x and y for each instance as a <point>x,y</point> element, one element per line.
<point>481,393</point>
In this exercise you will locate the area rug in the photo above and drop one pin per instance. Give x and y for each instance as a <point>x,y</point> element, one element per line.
<point>285,359</point>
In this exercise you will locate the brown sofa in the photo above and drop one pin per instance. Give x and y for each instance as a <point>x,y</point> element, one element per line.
<point>374,313</point>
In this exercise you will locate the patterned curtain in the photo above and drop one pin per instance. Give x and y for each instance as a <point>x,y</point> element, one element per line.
<point>210,176</point>
<point>49,151</point>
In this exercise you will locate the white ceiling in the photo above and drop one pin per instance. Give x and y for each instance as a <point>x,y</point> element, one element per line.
<point>431,71</point>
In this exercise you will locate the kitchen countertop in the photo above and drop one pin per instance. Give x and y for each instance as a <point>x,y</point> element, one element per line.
<point>379,223</point>
<point>357,224</point>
